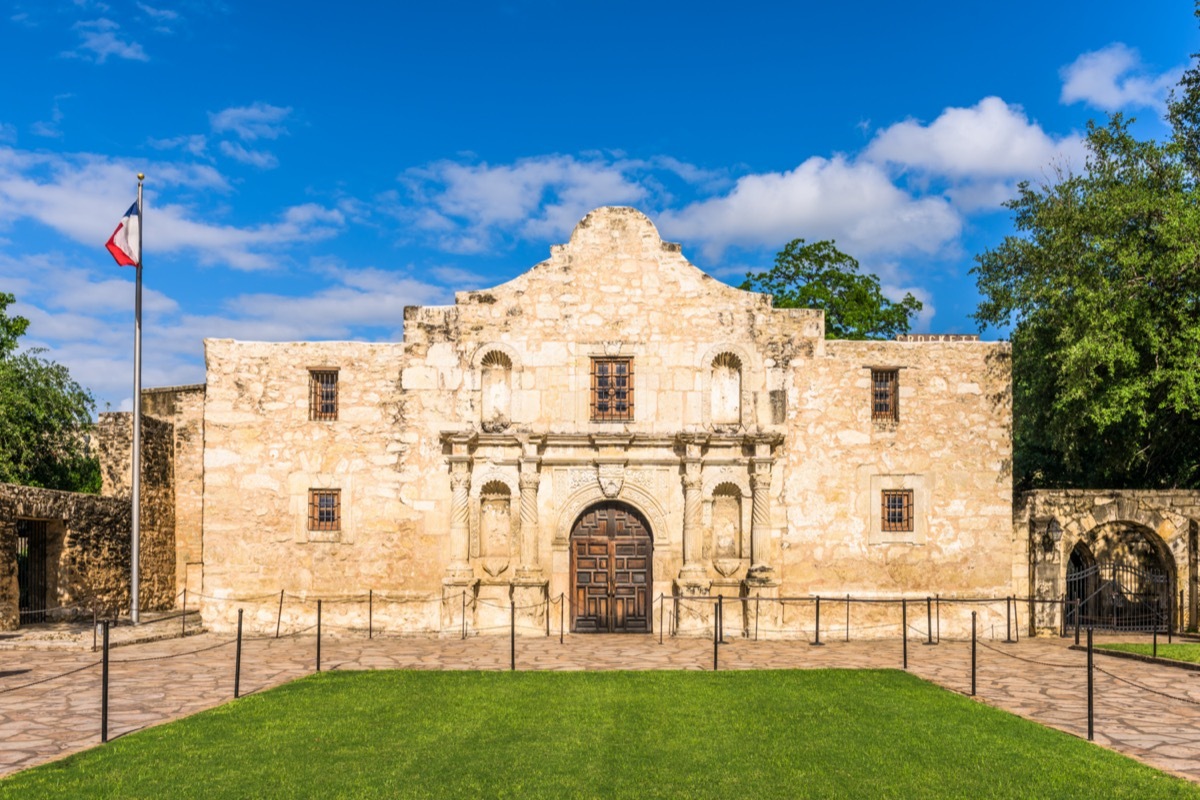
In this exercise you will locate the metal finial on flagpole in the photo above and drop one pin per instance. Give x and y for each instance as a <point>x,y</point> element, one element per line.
<point>136,517</point>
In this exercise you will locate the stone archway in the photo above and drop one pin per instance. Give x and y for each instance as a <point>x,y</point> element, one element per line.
<point>1121,576</point>
<point>612,570</point>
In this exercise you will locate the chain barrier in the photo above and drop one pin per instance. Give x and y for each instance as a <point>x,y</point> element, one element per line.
<point>1137,685</point>
<point>51,678</point>
<point>987,646</point>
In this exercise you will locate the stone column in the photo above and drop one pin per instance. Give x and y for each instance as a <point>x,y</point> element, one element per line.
<point>760,520</point>
<point>694,616</point>
<point>693,536</point>
<point>460,544</point>
<point>531,479</point>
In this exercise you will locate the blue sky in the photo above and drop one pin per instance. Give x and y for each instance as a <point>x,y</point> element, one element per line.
<point>312,169</point>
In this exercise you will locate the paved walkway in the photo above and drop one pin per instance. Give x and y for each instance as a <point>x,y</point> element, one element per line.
<point>158,681</point>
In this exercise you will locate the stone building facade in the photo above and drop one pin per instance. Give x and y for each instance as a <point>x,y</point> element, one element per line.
<point>613,426</point>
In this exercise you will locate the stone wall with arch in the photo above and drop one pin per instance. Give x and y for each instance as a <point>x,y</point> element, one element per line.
<point>1114,523</point>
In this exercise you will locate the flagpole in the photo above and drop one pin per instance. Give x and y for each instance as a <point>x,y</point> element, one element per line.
<point>137,422</point>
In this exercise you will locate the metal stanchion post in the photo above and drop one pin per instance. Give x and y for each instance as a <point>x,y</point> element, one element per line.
<point>756,602</point>
<point>183,616</point>
<point>721,617</point>
<point>662,603</point>
<point>847,617</point>
<point>928,620</point>
<point>318,636</point>
<point>972,654</point>
<point>1077,621</point>
<point>237,661</point>
<point>675,615</point>
<point>464,614</point>
<point>904,628</point>
<point>562,616</point>
<point>370,613</point>
<point>1008,620</point>
<point>279,616</point>
<point>1090,684</point>
<point>716,632</point>
<point>937,605</point>
<point>547,612</point>
<point>512,633</point>
<point>818,643</point>
<point>104,688</point>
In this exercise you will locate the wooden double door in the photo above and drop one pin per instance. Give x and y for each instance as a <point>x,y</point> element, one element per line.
<point>611,571</point>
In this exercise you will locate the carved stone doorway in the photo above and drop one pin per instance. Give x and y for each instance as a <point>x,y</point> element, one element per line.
<point>611,570</point>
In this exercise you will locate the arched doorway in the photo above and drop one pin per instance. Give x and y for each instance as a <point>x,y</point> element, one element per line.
<point>611,570</point>
<point>1122,576</point>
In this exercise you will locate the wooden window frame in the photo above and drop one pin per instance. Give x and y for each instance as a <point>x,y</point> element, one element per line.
<point>898,517</point>
<point>885,394</point>
<point>604,396</point>
<point>333,512</point>
<point>323,394</point>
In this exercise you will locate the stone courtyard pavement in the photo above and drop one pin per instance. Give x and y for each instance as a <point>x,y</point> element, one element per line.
<point>154,682</point>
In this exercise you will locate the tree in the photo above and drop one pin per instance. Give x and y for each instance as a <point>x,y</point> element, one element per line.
<point>44,417</point>
<point>1101,283</point>
<point>818,275</point>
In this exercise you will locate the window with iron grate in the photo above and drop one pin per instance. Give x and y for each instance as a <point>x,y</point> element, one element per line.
<point>897,510</point>
<point>324,509</point>
<point>323,394</point>
<point>612,389</point>
<point>885,395</point>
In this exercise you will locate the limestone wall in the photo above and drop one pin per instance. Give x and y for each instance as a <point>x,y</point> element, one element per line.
<point>952,446</point>
<point>114,433</point>
<point>262,455</point>
<point>89,551</point>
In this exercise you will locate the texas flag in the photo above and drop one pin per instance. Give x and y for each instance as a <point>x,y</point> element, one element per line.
<point>125,243</point>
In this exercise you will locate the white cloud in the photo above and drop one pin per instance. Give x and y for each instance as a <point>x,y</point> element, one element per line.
<point>99,40</point>
<point>8,132</point>
<point>196,144</point>
<point>991,139</point>
<point>853,202</point>
<point>81,196</point>
<point>161,14</point>
<point>466,206</point>
<point>248,123</point>
<point>256,158</point>
<point>1113,78</point>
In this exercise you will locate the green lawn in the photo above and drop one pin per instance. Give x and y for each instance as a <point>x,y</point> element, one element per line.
<point>1177,652</point>
<point>827,733</point>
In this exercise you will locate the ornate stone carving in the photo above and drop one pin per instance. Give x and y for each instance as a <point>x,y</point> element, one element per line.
<point>579,478</point>
<point>611,477</point>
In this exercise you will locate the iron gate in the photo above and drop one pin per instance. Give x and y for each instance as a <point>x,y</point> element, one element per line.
<point>31,570</point>
<point>1118,597</point>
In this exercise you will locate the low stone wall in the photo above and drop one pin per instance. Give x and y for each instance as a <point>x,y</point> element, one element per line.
<point>88,553</point>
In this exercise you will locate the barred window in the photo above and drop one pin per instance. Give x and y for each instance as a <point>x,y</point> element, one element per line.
<point>897,510</point>
<point>885,395</point>
<point>612,389</point>
<point>323,394</point>
<point>324,509</point>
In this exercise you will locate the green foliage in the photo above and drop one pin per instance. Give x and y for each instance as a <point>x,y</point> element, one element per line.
<point>818,275</point>
<point>1102,284</point>
<point>44,417</point>
<point>760,734</point>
